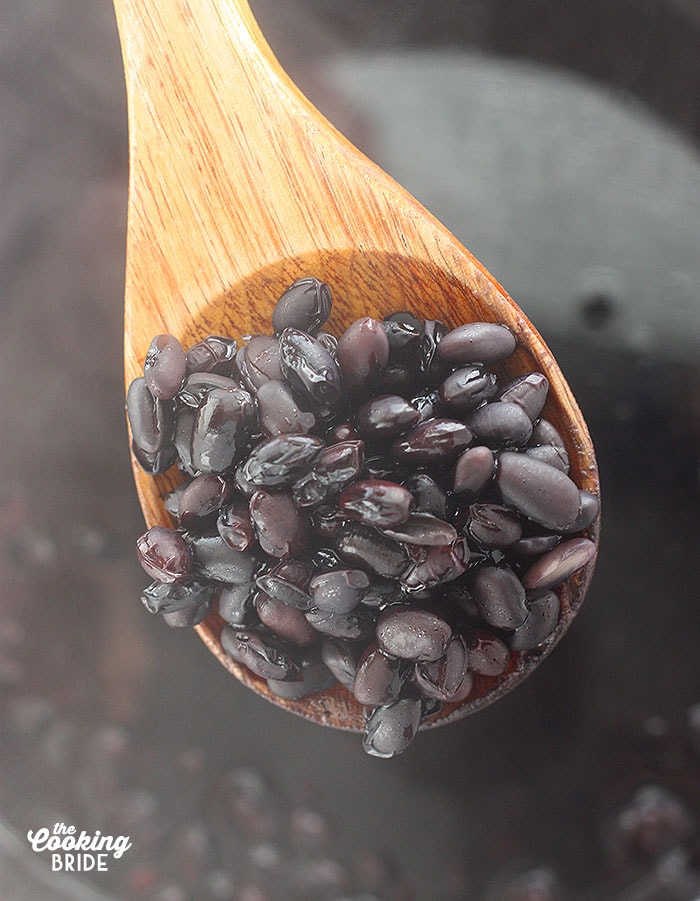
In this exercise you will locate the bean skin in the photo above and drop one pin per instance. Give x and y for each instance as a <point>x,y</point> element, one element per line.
<point>305,305</point>
<point>501,425</point>
<point>376,502</point>
<point>216,560</point>
<point>386,416</point>
<point>499,596</point>
<point>164,367</point>
<point>363,354</point>
<point>550,454</point>
<point>391,728</point>
<point>473,470</point>
<point>258,361</point>
<point>278,411</point>
<point>428,495</point>
<point>282,529</point>
<point>288,582</point>
<point>442,678</point>
<point>439,566</point>
<point>172,597</point>
<point>488,655</point>
<point>333,469</point>
<point>589,508</point>
<point>235,604</point>
<point>234,526</point>
<point>492,525</point>
<point>545,433</point>
<point>559,564</point>
<point>432,441</point>
<point>364,546</point>
<point>150,418</point>
<point>280,460</point>
<point>378,679</point>
<point>222,428</point>
<point>165,555</point>
<point>358,625</point>
<point>541,619</point>
<point>411,634</point>
<point>403,338</point>
<point>201,498</point>
<point>214,354</point>
<point>537,490</point>
<point>315,677</point>
<point>155,463</point>
<point>423,529</point>
<point>529,392</point>
<point>189,616</point>
<point>339,591</point>
<point>309,368</point>
<point>476,342</point>
<point>467,388</point>
<point>199,384</point>
<point>533,545</point>
<point>260,654</point>
<point>341,659</point>
<point>287,623</point>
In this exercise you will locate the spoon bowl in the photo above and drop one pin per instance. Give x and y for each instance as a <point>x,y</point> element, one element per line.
<point>238,186</point>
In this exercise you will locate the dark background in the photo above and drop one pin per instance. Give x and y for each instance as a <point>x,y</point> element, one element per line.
<point>559,141</point>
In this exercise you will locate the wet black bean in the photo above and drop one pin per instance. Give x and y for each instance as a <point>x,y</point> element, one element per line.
<point>214,354</point>
<point>234,526</point>
<point>366,547</point>
<point>214,559</point>
<point>281,460</point>
<point>258,361</point>
<point>442,678</point>
<point>412,634</point>
<point>433,333</point>
<point>201,498</point>
<point>550,454</point>
<point>379,677</point>
<point>439,566</point>
<point>537,490</point>
<point>559,564</point>
<point>541,619</point>
<point>344,431</point>
<point>281,528</point>
<point>287,623</point>
<point>223,424</point>
<point>197,385</point>
<point>338,591</point>
<point>477,342</point>
<point>488,655</point>
<point>376,502</point>
<point>492,525</point>
<point>288,582</point>
<point>315,677</point>
<point>164,367</point>
<point>165,555</point>
<point>324,558</point>
<point>156,463</point>
<point>529,392</point>
<point>328,342</point>
<point>334,468</point>
<point>341,658</point>
<point>545,433</point>
<point>189,617</point>
<point>423,529</point>
<point>327,520</point>
<point>432,441</point>
<point>236,604</point>
<point>261,654</point>
<point>391,728</point>
<point>150,418</point>
<point>386,416</point>
<point>182,438</point>
<point>501,425</point>
<point>382,592</point>
<point>398,379</point>
<point>473,470</point>
<point>378,466</point>
<point>406,317</point>
<point>589,508</point>
<point>358,625</point>
<point>499,596</point>
<point>428,495</point>
<point>404,338</point>
<point>363,353</point>
<point>429,405</point>
<point>533,545</point>
<point>278,411</point>
<point>172,597</point>
<point>305,305</point>
<point>309,368</point>
<point>467,388</point>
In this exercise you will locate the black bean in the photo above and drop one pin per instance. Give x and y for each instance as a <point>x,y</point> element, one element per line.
<point>429,405</point>
<point>533,545</point>
<point>499,596</point>
<point>477,342</point>
<point>288,582</point>
<point>171,597</point>
<point>164,554</point>
<point>501,425</point>
<point>406,317</point>
<point>199,384</point>
<point>391,728</point>
<point>541,619</point>
<point>403,337</point>
<point>328,342</point>
<point>156,463</point>
<point>258,361</point>
<point>537,490</point>
<point>236,604</point>
<point>338,591</point>
<point>201,498</point>
<point>550,454</point>
<point>315,677</point>
<point>287,623</point>
<point>467,388</point>
<point>423,529</point>
<point>327,520</point>
<point>343,431</point>
<point>399,379</point>
<point>282,529</point>
<point>428,495</point>
<point>488,655</point>
<point>261,654</point>
<point>278,411</point>
<point>558,564</point>
<point>376,502</point>
<point>545,433</point>
<point>222,428</point>
<point>189,617</point>
<point>305,305</point>
<point>368,548</point>
<point>363,353</point>
<point>379,677</point>
<point>214,354</point>
<point>324,558</point>
<point>358,625</point>
<point>309,368</point>
<point>412,634</point>
<point>433,333</point>
<point>382,592</point>
<point>379,466</point>
<point>341,658</point>
<point>442,678</point>
<point>164,367</point>
<point>182,438</point>
<point>386,416</point>
<point>439,566</point>
<point>492,525</point>
<point>473,470</point>
<point>432,441</point>
<point>465,689</point>
<point>589,508</point>
<point>234,525</point>
<point>280,460</point>
<point>529,392</point>
<point>150,418</point>
<point>333,469</point>
<point>214,559</point>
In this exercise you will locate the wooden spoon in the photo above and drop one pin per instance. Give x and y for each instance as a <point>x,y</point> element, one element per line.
<point>238,186</point>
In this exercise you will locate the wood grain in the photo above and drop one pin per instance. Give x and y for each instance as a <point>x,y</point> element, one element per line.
<point>238,186</point>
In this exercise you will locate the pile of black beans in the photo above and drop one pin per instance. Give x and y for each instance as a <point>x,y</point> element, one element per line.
<point>375,509</point>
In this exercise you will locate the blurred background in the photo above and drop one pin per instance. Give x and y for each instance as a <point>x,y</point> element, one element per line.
<point>559,141</point>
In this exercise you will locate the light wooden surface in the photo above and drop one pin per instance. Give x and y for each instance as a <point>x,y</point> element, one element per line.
<point>238,186</point>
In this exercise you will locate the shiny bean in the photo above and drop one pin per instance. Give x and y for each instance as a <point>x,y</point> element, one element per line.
<point>214,354</point>
<point>386,416</point>
<point>327,520</point>
<point>541,619</point>
<point>428,495</point>
<point>363,354</point>
<point>589,508</point>
<point>309,368</point>
<point>501,425</point>
<point>333,469</point>
<point>189,616</point>
<point>533,545</point>
<point>358,625</point>
<point>282,529</point>
<point>164,367</point>
<point>488,655</point>
<point>429,405</point>
<point>287,623</point>
<point>344,431</point>
<point>197,385</point>
<point>423,529</point>
<point>499,596</point>
<point>182,438</point>
<point>412,634</point>
<point>537,490</point>
<point>558,564</point>
<point>467,388</point>
<point>172,597</point>
<point>378,679</point>
<point>492,525</point>
<point>366,547</point>
<point>439,566</point>
<point>442,678</point>
<point>261,654</point>
<point>529,392</point>
<point>545,433</point>
<point>288,582</point>
<point>222,428</point>
<point>473,470</point>
<point>433,333</point>
<point>258,361</point>
<point>278,411</point>
<point>305,305</point>
<point>398,379</point>
<point>315,677</point>
<point>234,526</point>
<point>341,659</point>
<point>391,728</point>
<point>214,559</point>
<point>403,338</point>
<point>432,441</point>
<point>165,555</point>
<point>280,460</point>
<point>150,418</point>
<point>235,604</point>
<point>338,591</point>
<point>376,502</point>
<point>201,498</point>
<point>477,342</point>
<point>550,454</point>
<point>155,463</point>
